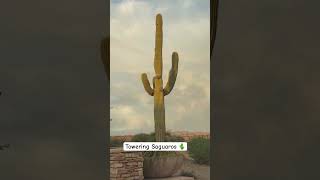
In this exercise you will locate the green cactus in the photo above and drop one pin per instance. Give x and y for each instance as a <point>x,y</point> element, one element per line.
<point>158,91</point>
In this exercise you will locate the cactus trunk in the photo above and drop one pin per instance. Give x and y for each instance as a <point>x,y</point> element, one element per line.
<point>158,91</point>
<point>159,113</point>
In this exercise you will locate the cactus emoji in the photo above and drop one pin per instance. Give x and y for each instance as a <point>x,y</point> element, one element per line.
<point>181,146</point>
<point>158,92</point>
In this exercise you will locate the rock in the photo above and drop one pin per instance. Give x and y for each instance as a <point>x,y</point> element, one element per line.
<point>174,178</point>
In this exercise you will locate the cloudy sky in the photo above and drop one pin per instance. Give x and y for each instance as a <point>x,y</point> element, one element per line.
<point>186,30</point>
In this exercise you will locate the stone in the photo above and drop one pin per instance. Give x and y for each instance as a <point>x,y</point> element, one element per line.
<point>116,158</point>
<point>173,178</point>
<point>125,175</point>
<point>162,166</point>
<point>132,163</point>
<point>116,165</point>
<point>138,178</point>
<point>113,171</point>
<point>125,165</point>
<point>123,171</point>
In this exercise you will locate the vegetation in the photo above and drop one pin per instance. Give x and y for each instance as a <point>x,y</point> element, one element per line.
<point>199,149</point>
<point>116,142</point>
<point>143,137</point>
<point>173,138</point>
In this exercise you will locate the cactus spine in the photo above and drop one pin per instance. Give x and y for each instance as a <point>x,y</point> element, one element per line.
<point>158,91</point>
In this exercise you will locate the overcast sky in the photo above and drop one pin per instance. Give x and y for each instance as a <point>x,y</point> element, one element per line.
<point>186,26</point>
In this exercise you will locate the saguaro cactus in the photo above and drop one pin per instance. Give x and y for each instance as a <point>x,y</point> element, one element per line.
<point>158,92</point>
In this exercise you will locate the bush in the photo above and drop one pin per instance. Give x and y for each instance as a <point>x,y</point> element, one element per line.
<point>143,138</point>
<point>151,138</point>
<point>199,149</point>
<point>173,138</point>
<point>116,143</point>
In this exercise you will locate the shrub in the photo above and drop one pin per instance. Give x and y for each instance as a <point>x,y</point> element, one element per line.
<point>199,149</point>
<point>116,143</point>
<point>173,138</point>
<point>143,138</point>
<point>151,138</point>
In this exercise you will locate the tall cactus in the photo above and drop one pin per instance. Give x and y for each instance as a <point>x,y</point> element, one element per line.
<point>158,91</point>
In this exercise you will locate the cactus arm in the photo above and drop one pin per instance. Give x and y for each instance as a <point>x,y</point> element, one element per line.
<point>146,84</point>
<point>105,55</point>
<point>172,74</point>
<point>158,46</point>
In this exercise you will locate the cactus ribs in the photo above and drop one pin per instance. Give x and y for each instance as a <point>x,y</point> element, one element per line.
<point>158,91</point>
